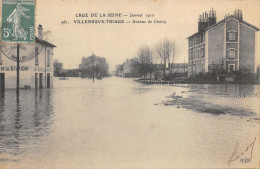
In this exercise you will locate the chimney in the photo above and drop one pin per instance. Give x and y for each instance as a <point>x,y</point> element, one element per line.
<point>40,32</point>
<point>212,17</point>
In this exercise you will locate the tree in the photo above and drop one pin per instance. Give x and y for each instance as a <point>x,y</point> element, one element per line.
<point>145,62</point>
<point>172,56</point>
<point>163,51</point>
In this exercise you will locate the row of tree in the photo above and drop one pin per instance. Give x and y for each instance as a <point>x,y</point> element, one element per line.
<point>148,59</point>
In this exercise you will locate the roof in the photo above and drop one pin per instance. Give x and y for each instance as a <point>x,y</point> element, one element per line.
<point>223,20</point>
<point>229,17</point>
<point>43,42</point>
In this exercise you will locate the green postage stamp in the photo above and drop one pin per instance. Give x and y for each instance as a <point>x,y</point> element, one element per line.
<point>18,21</point>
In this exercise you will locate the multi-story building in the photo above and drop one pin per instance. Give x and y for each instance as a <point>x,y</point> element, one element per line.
<point>58,68</point>
<point>94,63</point>
<point>228,45</point>
<point>36,64</point>
<point>128,68</point>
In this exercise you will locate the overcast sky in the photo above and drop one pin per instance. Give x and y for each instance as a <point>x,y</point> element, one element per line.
<point>117,42</point>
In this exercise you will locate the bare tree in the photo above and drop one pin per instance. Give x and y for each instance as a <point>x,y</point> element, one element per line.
<point>172,55</point>
<point>163,50</point>
<point>145,62</point>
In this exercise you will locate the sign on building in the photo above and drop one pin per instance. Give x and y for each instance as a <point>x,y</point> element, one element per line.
<point>18,21</point>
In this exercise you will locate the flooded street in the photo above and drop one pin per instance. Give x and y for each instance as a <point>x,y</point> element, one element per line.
<point>120,123</point>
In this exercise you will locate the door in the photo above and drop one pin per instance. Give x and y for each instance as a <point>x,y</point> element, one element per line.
<point>2,81</point>
<point>231,68</point>
<point>41,80</point>
<point>48,80</point>
<point>36,81</point>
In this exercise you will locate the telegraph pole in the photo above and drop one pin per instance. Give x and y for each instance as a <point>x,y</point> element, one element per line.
<point>93,67</point>
<point>17,70</point>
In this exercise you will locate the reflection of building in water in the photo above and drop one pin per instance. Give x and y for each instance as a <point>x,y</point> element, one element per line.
<point>228,45</point>
<point>17,128</point>
<point>36,64</point>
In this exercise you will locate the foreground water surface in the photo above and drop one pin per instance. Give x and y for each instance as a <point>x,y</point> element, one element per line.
<point>120,123</point>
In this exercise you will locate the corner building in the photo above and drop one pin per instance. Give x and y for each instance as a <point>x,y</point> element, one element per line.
<point>36,64</point>
<point>228,45</point>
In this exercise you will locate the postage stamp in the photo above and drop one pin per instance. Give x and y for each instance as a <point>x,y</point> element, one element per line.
<point>18,21</point>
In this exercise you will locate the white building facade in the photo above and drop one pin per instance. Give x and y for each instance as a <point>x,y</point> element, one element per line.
<point>36,64</point>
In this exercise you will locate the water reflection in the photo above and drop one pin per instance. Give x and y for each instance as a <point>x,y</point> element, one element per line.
<point>27,119</point>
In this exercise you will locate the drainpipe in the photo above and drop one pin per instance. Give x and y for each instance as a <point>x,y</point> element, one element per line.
<point>45,68</point>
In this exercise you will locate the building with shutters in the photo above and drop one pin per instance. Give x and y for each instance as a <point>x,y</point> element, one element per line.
<point>228,45</point>
<point>36,64</point>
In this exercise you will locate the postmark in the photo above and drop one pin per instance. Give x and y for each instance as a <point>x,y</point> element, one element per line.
<point>27,52</point>
<point>18,21</point>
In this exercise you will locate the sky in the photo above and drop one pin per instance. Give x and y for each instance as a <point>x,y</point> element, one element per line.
<point>117,42</point>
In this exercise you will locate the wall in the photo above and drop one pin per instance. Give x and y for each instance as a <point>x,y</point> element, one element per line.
<point>215,46</point>
<point>247,48</point>
<point>27,64</point>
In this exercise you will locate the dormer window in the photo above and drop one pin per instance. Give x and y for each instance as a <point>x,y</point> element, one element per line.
<point>232,36</point>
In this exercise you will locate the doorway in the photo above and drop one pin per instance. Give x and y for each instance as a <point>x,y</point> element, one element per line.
<point>41,80</point>
<point>36,81</point>
<point>48,80</point>
<point>2,81</point>
<point>231,68</point>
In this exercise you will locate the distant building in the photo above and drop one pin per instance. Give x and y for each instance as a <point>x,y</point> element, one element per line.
<point>228,45</point>
<point>119,70</point>
<point>36,64</point>
<point>128,68</point>
<point>94,63</point>
<point>57,68</point>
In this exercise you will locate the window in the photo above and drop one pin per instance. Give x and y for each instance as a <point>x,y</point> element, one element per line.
<point>48,58</point>
<point>36,56</point>
<point>198,39</point>
<point>194,67</point>
<point>202,67</point>
<point>190,55</point>
<point>231,53</point>
<point>198,67</point>
<point>194,57</point>
<point>231,36</point>
<point>1,58</point>
<point>202,52</point>
<point>198,54</point>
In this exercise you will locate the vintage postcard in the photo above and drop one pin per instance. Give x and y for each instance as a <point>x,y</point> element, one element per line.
<point>125,84</point>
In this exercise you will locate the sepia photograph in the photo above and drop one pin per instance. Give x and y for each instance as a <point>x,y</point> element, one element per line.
<point>127,84</point>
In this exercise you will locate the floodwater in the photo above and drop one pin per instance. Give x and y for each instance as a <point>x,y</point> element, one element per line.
<point>119,123</point>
